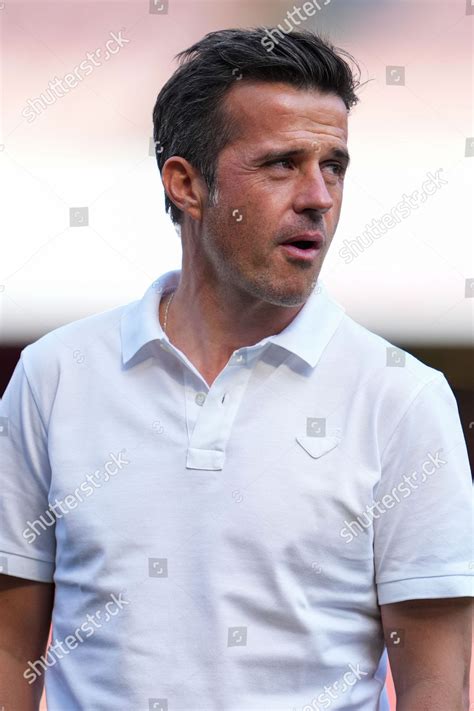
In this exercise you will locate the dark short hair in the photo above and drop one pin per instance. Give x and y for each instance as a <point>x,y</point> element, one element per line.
<point>189,116</point>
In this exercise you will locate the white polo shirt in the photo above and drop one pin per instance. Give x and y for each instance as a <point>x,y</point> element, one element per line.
<point>227,548</point>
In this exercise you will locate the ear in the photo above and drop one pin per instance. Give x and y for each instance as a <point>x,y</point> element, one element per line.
<point>184,186</point>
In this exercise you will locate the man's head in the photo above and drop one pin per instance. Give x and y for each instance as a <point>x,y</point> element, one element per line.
<point>252,149</point>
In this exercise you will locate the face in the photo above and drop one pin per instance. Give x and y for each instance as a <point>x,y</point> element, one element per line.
<point>282,176</point>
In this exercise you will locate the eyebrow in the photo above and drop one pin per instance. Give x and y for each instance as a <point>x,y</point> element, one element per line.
<point>340,153</point>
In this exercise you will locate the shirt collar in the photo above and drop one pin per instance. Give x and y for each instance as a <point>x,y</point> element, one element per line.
<point>306,336</point>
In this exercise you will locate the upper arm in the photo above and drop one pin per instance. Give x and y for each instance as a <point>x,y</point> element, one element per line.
<point>423,552</point>
<point>429,641</point>
<point>25,616</point>
<point>27,561</point>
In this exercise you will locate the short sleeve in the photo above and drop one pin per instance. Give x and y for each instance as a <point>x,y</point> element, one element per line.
<point>27,530</point>
<point>423,505</point>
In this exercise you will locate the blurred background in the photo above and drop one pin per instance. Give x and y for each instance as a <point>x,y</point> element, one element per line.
<point>83,221</point>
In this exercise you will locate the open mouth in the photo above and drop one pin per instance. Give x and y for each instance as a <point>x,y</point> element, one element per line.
<point>301,244</point>
<point>302,249</point>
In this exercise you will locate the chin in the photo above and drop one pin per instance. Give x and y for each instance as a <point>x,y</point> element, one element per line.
<point>295,297</point>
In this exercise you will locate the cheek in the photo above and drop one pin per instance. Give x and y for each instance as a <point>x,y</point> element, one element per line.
<point>248,212</point>
<point>270,207</point>
<point>336,207</point>
<point>256,208</point>
<point>336,194</point>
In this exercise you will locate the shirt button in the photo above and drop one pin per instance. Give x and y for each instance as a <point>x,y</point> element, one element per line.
<point>200,398</point>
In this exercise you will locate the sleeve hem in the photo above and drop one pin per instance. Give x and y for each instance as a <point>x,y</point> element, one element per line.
<point>22,567</point>
<point>429,588</point>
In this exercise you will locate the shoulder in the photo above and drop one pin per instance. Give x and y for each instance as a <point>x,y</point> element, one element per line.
<point>373,356</point>
<point>384,377</point>
<point>93,337</point>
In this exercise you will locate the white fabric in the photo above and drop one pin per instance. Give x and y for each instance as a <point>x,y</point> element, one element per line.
<point>197,510</point>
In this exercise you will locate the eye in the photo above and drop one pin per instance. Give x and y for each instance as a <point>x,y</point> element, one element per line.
<point>339,168</point>
<point>281,161</point>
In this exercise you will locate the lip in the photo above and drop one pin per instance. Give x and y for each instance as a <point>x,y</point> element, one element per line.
<point>315,237</point>
<point>303,254</point>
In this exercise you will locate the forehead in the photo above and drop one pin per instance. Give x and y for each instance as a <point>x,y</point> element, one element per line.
<point>265,109</point>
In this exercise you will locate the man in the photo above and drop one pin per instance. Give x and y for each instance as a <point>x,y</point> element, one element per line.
<point>236,494</point>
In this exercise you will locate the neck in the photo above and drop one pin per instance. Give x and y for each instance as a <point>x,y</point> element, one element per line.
<point>208,320</point>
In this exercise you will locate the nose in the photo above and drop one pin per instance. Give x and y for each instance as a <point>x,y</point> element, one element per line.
<point>312,193</point>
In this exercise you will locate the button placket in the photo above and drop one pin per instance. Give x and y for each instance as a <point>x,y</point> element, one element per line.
<point>213,424</point>
<point>200,398</point>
